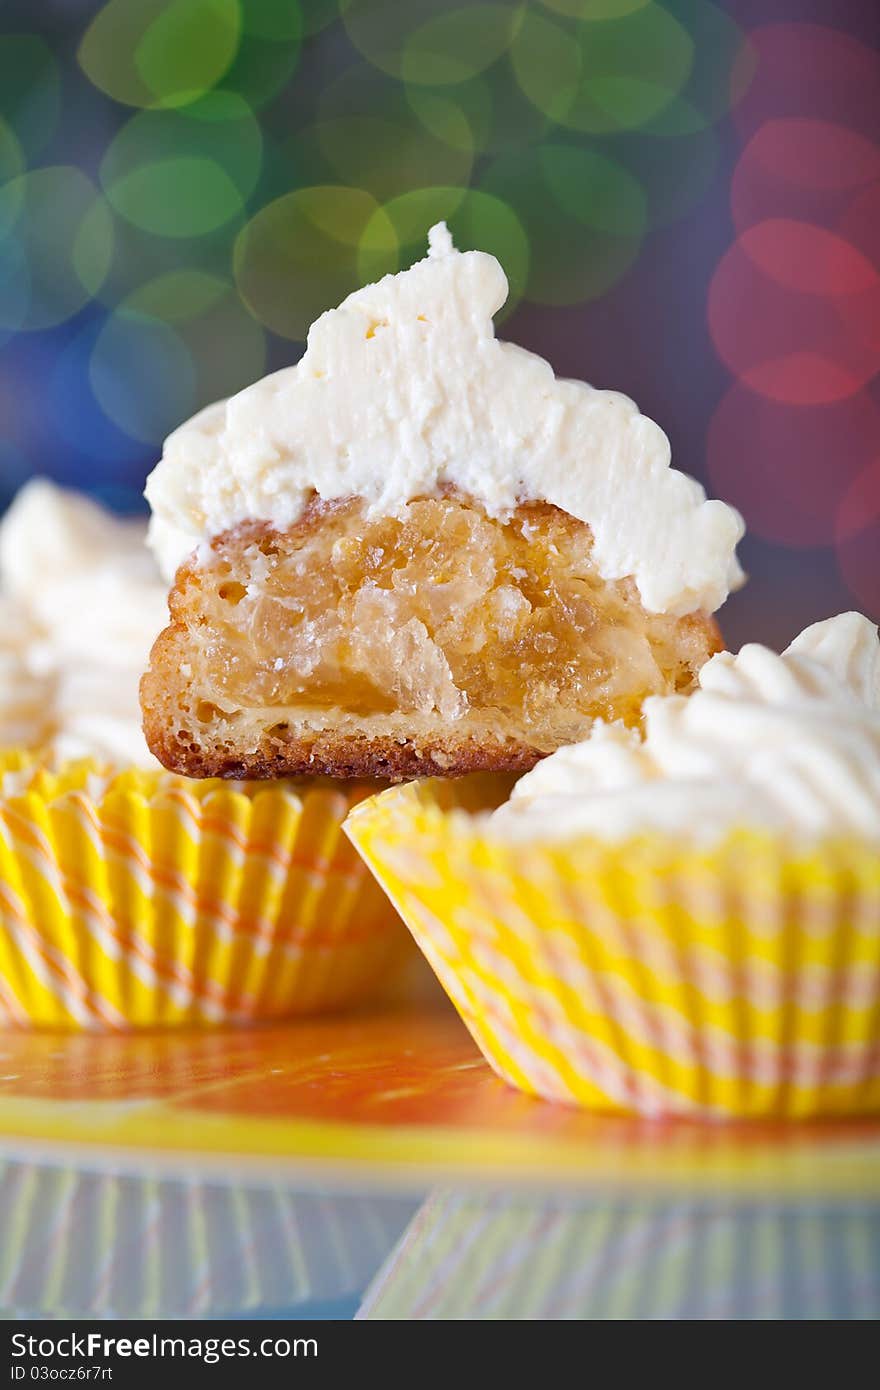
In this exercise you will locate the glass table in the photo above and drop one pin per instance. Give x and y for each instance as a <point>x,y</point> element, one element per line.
<point>374,1167</point>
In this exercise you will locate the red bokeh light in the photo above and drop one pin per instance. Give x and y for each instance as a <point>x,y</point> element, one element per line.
<point>859,560</point>
<point>858,537</point>
<point>794,306</point>
<point>799,69</point>
<point>787,469</point>
<point>802,169</point>
<point>788,310</point>
<point>860,505</point>
<point>860,224</point>
<point>807,258</point>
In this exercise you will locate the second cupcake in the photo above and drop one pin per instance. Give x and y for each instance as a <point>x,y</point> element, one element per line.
<point>130,897</point>
<point>685,922</point>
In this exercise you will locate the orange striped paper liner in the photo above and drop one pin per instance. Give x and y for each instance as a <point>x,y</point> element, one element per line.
<point>739,981</point>
<point>140,899</point>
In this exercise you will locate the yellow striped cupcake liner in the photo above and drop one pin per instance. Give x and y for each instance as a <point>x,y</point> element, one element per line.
<point>140,899</point>
<point>506,1257</point>
<point>80,1244</point>
<point>647,977</point>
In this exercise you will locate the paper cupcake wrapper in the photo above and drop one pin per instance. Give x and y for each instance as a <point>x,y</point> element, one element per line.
<point>77,1244</point>
<point>494,1257</point>
<point>143,899</point>
<point>740,981</point>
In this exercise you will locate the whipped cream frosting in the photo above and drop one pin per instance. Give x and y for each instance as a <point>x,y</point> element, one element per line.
<point>404,388</point>
<point>26,691</point>
<point>81,605</point>
<point>787,743</point>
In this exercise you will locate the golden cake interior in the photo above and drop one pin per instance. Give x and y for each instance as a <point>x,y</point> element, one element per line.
<point>439,639</point>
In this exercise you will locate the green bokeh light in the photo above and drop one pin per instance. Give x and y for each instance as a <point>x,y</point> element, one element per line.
<point>452,47</point>
<point>11,153</point>
<point>177,197</point>
<point>58,231</point>
<point>160,52</point>
<point>273,19</point>
<point>547,64</point>
<point>387,156</point>
<point>446,120</point>
<point>15,290</point>
<point>584,213</point>
<point>596,9</point>
<point>675,174</point>
<point>30,90</point>
<point>477,220</point>
<point>184,173</point>
<point>581,121</point>
<point>174,344</point>
<point>594,188</point>
<point>304,252</point>
<point>379,29</point>
<point>143,375</point>
<point>493,106</point>
<point>225,344</point>
<point>368,136</point>
<point>317,14</point>
<point>425,41</point>
<point>261,70</point>
<point>607,75</point>
<point>410,216</point>
<point>268,50</point>
<point>709,91</point>
<point>177,295</point>
<point>228,347</point>
<point>140,256</point>
<point>91,237</point>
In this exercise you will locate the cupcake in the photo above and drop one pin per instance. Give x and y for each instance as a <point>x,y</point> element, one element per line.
<point>81,604</point>
<point>683,920</point>
<point>130,897</point>
<point>25,689</point>
<point>418,551</point>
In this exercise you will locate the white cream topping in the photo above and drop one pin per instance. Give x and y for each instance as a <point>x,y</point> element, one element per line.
<point>81,605</point>
<point>789,743</point>
<point>405,388</point>
<point>26,690</point>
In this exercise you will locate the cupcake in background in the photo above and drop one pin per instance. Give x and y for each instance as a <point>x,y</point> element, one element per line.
<point>130,897</point>
<point>26,690</point>
<point>684,920</point>
<point>81,606</point>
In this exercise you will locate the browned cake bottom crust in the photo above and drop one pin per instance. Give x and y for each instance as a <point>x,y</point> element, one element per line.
<point>385,760</point>
<point>440,642</point>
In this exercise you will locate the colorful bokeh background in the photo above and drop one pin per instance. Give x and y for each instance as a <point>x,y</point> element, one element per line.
<point>685,196</point>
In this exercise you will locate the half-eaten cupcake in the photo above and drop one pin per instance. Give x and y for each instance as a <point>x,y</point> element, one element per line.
<point>418,551</point>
